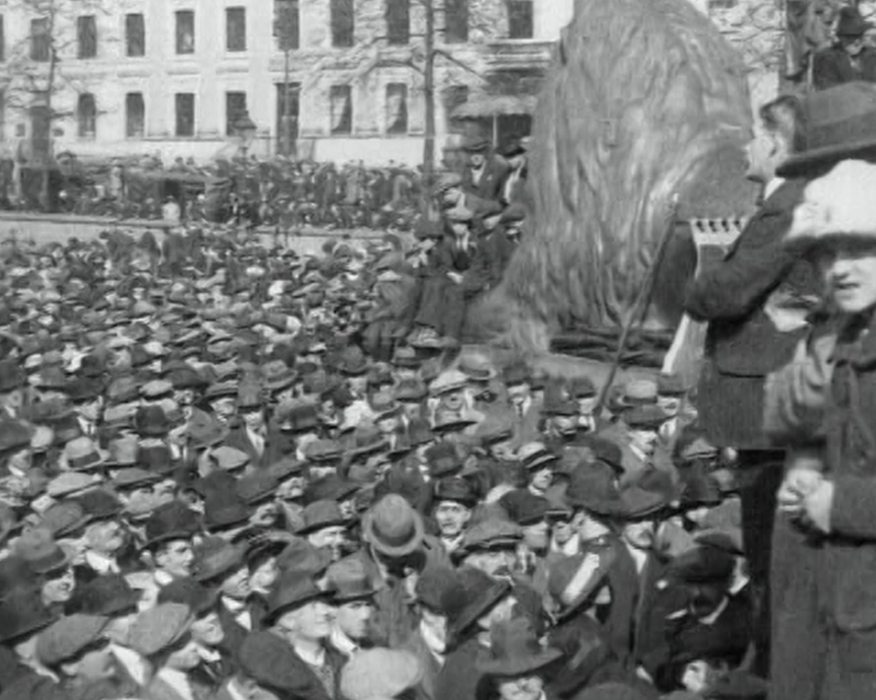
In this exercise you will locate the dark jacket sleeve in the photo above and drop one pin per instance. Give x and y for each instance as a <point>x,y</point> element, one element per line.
<point>852,513</point>
<point>735,287</point>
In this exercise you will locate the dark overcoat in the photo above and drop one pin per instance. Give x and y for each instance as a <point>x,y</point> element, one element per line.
<point>742,343</point>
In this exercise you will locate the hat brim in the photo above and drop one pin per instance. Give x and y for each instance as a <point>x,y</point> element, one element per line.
<point>286,605</point>
<point>370,536</point>
<point>308,529</point>
<point>519,666</point>
<point>819,158</point>
<point>478,607</point>
<point>166,537</point>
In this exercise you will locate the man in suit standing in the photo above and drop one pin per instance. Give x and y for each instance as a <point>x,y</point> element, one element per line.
<point>485,172</point>
<point>755,301</point>
<point>250,435</point>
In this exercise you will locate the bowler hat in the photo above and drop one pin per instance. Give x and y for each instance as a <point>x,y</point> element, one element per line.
<point>456,489</point>
<point>64,518</point>
<point>349,580</point>
<point>476,144</point>
<point>292,590</point>
<point>490,534</point>
<point>593,489</point>
<point>645,417</point>
<point>155,458</point>
<point>257,487</point>
<point>515,650</point>
<point>851,24</point>
<point>443,459</point>
<point>82,454</point>
<point>331,488</point>
<point>152,421</point>
<point>393,527</point>
<point>224,509</point>
<point>703,564</point>
<point>839,124</point>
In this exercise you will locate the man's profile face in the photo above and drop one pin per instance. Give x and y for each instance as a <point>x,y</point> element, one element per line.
<point>760,153</point>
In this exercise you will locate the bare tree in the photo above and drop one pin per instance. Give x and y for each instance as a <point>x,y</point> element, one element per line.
<point>37,67</point>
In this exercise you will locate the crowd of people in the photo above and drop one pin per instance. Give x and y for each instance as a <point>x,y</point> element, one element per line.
<point>232,473</point>
<point>279,192</point>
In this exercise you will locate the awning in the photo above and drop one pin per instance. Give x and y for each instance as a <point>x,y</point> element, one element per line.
<point>495,105</point>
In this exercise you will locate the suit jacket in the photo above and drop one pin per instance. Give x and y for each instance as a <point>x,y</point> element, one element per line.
<point>239,439</point>
<point>493,177</point>
<point>235,633</point>
<point>742,343</point>
<point>832,66</point>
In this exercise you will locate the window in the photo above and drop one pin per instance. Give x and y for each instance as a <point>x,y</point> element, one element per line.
<point>455,21</point>
<point>454,96</point>
<point>342,109</point>
<point>2,115</point>
<point>235,108</point>
<point>287,24</point>
<point>86,36</point>
<point>2,39</point>
<point>520,19</point>
<point>396,108</point>
<point>398,21</point>
<point>86,116</point>
<point>342,23</point>
<point>235,28</point>
<point>185,32</point>
<point>185,114</point>
<point>135,115</point>
<point>40,41</point>
<point>135,35</point>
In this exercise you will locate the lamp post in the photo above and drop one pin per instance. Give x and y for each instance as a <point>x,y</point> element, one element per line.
<point>246,128</point>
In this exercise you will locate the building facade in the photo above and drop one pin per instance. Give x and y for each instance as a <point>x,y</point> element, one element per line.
<point>175,76</point>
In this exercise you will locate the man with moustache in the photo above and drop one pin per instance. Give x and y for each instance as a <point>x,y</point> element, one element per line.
<point>755,301</point>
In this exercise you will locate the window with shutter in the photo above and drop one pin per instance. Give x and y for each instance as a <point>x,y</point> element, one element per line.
<point>135,115</point>
<point>185,114</point>
<point>343,23</point>
<point>235,28</point>
<point>86,116</point>
<point>185,32</point>
<point>86,35</point>
<point>135,35</point>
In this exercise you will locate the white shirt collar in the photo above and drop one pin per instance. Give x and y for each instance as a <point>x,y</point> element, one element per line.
<point>772,186</point>
<point>235,607</point>
<point>317,660</point>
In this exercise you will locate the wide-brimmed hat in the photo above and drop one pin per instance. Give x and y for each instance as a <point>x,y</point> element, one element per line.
<point>456,489</point>
<point>67,637</point>
<point>515,650</point>
<point>393,527</point>
<point>839,125</point>
<point>349,580</point>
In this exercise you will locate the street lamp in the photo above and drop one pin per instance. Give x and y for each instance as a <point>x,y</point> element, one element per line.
<point>246,129</point>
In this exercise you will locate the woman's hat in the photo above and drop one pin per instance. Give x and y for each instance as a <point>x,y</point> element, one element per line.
<point>515,650</point>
